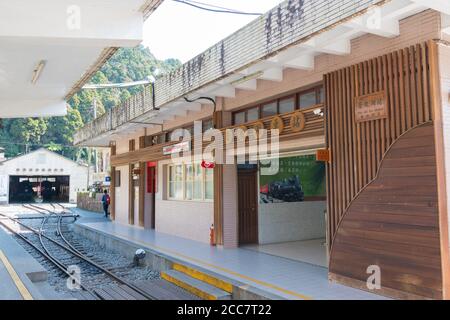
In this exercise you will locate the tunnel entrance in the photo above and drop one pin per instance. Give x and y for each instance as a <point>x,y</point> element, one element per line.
<point>23,189</point>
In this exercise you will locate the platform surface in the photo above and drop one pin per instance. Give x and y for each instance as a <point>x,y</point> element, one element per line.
<point>279,276</point>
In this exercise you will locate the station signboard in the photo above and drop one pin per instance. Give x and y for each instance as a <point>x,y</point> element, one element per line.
<point>176,148</point>
<point>371,107</point>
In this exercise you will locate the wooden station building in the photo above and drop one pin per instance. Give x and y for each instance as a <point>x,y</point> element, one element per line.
<point>369,85</point>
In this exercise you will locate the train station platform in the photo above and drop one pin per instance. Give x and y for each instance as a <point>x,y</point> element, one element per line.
<point>277,276</point>
<point>21,276</point>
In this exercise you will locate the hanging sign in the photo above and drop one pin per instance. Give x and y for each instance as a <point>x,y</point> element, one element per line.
<point>176,148</point>
<point>208,165</point>
<point>371,107</point>
<point>277,123</point>
<point>297,121</point>
<point>323,155</point>
<point>258,125</point>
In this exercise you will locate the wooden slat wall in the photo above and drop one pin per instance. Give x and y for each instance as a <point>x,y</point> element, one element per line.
<point>394,222</point>
<point>365,224</point>
<point>358,148</point>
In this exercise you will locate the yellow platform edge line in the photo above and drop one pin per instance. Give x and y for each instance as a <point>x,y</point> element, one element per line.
<point>195,260</point>
<point>15,277</point>
<point>209,279</point>
<point>195,291</point>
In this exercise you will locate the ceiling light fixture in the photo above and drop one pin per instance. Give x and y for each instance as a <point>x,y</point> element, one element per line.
<point>37,71</point>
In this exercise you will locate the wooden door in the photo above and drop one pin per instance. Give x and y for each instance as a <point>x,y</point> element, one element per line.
<point>247,207</point>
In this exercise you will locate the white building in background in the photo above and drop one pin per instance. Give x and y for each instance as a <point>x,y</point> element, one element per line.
<point>38,169</point>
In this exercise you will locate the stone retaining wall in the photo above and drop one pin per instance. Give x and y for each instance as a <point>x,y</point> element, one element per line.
<point>85,202</point>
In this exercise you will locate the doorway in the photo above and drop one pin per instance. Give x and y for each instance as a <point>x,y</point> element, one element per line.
<point>291,215</point>
<point>23,189</point>
<point>247,204</point>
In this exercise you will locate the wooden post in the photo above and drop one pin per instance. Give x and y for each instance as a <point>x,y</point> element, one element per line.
<point>142,168</point>
<point>435,91</point>
<point>112,187</point>
<point>218,204</point>
<point>130,195</point>
<point>131,147</point>
<point>218,188</point>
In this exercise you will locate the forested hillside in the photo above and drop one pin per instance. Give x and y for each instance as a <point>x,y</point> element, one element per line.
<point>128,64</point>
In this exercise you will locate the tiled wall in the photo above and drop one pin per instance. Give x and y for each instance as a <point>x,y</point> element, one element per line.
<point>416,29</point>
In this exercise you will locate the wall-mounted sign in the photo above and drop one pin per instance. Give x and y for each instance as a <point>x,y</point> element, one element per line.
<point>277,123</point>
<point>371,107</point>
<point>298,179</point>
<point>259,125</point>
<point>297,121</point>
<point>176,148</point>
<point>107,179</point>
<point>323,155</point>
<point>152,164</point>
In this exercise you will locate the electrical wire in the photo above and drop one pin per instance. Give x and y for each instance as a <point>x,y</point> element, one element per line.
<point>39,145</point>
<point>218,10</point>
<point>211,5</point>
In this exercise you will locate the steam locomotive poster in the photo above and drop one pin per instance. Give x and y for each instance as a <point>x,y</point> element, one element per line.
<point>299,179</point>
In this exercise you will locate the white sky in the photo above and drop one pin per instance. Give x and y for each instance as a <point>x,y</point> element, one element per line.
<point>176,30</point>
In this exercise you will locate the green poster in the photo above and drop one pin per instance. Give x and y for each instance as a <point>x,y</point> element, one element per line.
<point>299,179</point>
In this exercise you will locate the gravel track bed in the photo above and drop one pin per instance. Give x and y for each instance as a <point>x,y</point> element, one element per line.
<point>90,276</point>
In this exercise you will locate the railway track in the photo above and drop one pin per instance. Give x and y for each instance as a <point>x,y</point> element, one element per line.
<point>82,272</point>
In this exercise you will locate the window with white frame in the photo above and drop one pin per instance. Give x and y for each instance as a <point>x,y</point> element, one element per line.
<point>190,182</point>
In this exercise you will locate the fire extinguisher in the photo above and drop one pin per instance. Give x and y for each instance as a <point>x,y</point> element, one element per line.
<point>212,242</point>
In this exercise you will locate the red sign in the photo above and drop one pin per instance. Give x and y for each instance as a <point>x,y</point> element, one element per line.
<point>208,165</point>
<point>152,164</point>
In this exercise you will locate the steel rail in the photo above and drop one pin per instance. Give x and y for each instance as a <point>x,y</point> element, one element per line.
<point>109,273</point>
<point>57,263</point>
<point>75,252</point>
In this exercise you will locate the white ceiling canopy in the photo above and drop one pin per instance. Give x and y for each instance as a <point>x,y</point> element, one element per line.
<point>47,46</point>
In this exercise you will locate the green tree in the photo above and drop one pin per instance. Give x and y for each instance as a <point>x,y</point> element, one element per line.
<point>56,133</point>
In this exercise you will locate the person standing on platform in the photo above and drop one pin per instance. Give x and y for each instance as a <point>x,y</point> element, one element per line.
<point>106,200</point>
